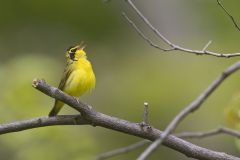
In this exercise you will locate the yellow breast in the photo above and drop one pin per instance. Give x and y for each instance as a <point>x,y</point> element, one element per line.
<point>81,79</point>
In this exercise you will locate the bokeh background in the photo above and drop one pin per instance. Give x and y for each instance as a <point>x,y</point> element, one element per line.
<point>35,34</point>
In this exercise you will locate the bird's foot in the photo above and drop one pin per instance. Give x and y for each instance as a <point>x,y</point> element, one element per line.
<point>77,99</point>
<point>89,107</point>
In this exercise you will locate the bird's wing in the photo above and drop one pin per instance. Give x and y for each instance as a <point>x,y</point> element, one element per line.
<point>65,76</point>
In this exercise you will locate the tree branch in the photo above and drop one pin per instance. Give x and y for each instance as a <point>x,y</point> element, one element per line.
<point>41,122</point>
<point>138,30</point>
<point>185,135</point>
<point>106,121</point>
<point>213,132</point>
<point>228,14</point>
<point>190,108</point>
<point>122,150</point>
<point>167,41</point>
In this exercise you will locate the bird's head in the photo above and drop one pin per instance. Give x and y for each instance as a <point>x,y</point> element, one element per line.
<point>74,53</point>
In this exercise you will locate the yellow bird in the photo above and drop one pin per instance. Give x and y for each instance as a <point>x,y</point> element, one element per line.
<point>78,76</point>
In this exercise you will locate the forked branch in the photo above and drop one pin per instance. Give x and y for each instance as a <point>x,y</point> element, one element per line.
<point>185,135</point>
<point>172,46</point>
<point>194,105</point>
<point>202,97</point>
<point>106,121</point>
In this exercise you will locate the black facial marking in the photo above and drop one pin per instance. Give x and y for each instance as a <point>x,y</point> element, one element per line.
<point>72,55</point>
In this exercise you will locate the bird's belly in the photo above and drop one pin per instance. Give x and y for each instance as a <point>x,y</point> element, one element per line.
<point>79,82</point>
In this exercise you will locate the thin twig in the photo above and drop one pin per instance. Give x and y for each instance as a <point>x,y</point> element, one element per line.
<point>145,114</point>
<point>189,109</point>
<point>145,123</point>
<point>122,150</point>
<point>168,42</point>
<point>206,46</point>
<point>120,125</point>
<point>185,135</point>
<point>213,132</point>
<point>228,14</point>
<point>138,30</point>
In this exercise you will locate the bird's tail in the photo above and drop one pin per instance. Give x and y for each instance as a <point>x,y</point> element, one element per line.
<point>57,107</point>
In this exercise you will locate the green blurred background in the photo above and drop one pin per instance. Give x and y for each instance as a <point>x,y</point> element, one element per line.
<point>35,34</point>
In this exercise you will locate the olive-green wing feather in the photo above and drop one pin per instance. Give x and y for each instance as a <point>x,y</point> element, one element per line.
<point>58,104</point>
<point>65,76</point>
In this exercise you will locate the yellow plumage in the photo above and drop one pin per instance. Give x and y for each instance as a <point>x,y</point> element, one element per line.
<point>78,76</point>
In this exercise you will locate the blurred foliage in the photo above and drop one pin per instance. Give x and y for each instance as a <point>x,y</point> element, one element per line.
<point>232,115</point>
<point>35,35</point>
<point>232,112</point>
